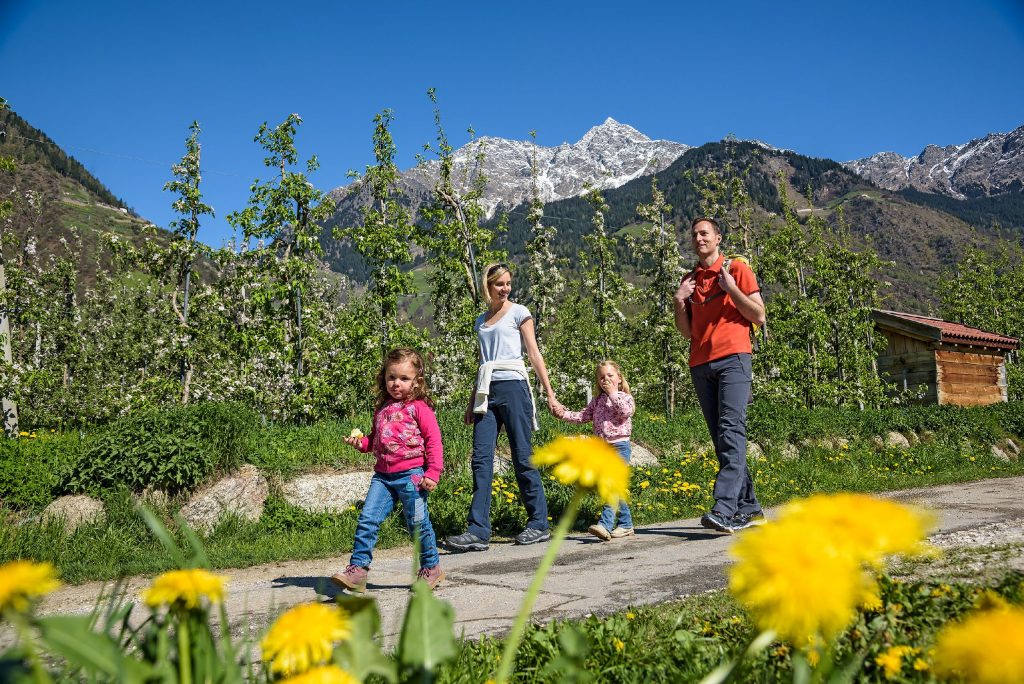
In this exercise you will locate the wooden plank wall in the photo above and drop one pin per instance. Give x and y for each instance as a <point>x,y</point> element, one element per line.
<point>909,362</point>
<point>970,376</point>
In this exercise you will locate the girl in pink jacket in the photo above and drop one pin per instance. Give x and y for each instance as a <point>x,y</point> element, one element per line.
<point>406,440</point>
<point>611,412</point>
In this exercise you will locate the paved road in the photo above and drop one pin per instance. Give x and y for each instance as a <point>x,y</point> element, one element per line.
<point>661,562</point>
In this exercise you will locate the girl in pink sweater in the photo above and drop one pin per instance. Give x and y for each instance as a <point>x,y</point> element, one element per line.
<point>611,413</point>
<point>406,440</point>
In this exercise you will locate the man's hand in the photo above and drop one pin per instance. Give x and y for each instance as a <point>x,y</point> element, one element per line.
<point>727,282</point>
<point>427,484</point>
<point>686,287</point>
<point>467,417</point>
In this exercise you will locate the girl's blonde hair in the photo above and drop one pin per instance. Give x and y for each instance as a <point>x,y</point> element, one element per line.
<point>623,385</point>
<point>419,388</point>
<point>490,276</point>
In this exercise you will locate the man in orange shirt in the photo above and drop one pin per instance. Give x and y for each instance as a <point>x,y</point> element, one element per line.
<point>715,309</point>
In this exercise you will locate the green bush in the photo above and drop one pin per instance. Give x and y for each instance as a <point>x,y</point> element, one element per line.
<point>169,449</point>
<point>32,468</point>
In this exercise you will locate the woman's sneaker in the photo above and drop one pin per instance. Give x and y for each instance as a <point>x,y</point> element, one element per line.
<point>620,532</point>
<point>601,532</point>
<point>353,578</point>
<point>432,576</point>
<point>531,536</point>
<point>467,541</point>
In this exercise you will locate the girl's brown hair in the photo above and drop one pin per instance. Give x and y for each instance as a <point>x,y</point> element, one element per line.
<point>491,275</point>
<point>419,387</point>
<point>623,385</point>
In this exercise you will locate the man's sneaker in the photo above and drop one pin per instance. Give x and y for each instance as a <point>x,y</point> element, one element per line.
<point>532,536</point>
<point>353,578</point>
<point>466,541</point>
<point>432,576</point>
<point>742,521</point>
<point>600,531</point>
<point>620,532</point>
<point>717,521</point>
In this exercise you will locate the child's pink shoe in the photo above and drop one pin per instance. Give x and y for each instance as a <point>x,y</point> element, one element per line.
<point>432,576</point>
<point>353,578</point>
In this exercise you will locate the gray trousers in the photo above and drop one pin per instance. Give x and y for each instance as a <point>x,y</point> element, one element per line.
<point>723,387</point>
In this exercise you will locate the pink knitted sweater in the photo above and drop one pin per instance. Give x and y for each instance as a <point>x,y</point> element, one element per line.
<point>406,435</point>
<point>610,415</point>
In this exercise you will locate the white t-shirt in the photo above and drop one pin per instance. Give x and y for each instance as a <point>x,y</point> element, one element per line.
<point>502,341</point>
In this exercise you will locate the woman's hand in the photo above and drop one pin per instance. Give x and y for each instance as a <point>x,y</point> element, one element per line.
<point>428,485</point>
<point>467,417</point>
<point>555,407</point>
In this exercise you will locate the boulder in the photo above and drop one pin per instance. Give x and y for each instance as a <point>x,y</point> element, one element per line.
<point>1010,447</point>
<point>73,511</point>
<point>997,452</point>
<point>896,440</point>
<point>242,493</point>
<point>754,452</point>
<point>641,457</point>
<point>329,492</point>
<point>788,452</point>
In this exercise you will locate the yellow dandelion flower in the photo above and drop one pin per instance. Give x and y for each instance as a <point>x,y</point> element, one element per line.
<point>891,660</point>
<point>987,647</point>
<point>630,615</point>
<point>793,580</point>
<point>868,527</point>
<point>21,581</point>
<point>304,637</point>
<point>618,644</point>
<point>920,664</point>
<point>186,588</point>
<point>328,674</point>
<point>588,463</point>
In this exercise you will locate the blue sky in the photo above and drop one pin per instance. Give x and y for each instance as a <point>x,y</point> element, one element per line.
<point>117,83</point>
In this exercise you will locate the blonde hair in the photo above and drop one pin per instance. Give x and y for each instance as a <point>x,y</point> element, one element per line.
<point>623,385</point>
<point>419,389</point>
<point>490,276</point>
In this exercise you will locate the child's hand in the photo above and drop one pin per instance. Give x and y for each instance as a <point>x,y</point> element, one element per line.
<point>353,442</point>
<point>427,484</point>
<point>607,386</point>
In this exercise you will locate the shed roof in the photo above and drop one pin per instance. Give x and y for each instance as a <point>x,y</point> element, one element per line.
<point>939,330</point>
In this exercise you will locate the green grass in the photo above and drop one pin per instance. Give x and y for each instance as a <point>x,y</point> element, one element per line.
<point>31,472</point>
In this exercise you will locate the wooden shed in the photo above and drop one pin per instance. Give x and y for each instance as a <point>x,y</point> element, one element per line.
<point>958,364</point>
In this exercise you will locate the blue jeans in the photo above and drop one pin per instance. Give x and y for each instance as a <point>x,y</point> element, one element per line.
<point>508,404</point>
<point>625,449</point>
<point>387,489</point>
<point>723,387</point>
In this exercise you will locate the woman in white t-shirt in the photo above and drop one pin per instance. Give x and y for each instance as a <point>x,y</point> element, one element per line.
<point>502,396</point>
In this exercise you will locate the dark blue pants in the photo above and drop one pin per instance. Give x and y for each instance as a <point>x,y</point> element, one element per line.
<point>723,387</point>
<point>508,404</point>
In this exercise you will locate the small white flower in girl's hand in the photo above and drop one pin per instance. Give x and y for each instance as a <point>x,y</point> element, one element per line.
<point>356,433</point>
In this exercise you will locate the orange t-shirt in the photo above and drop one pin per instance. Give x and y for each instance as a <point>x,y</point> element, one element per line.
<point>717,328</point>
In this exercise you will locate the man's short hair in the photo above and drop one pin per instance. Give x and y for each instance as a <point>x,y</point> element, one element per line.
<point>713,222</point>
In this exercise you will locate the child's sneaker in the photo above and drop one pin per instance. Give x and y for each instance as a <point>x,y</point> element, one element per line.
<point>620,532</point>
<point>353,578</point>
<point>600,531</point>
<point>432,576</point>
